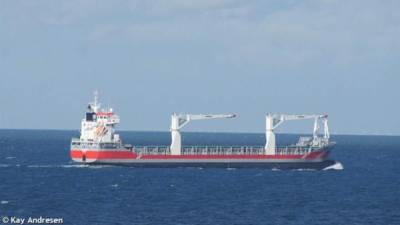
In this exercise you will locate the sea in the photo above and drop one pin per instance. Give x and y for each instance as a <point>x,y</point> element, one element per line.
<point>39,180</point>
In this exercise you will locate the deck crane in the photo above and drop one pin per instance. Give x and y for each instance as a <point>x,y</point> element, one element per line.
<point>178,121</point>
<point>275,120</point>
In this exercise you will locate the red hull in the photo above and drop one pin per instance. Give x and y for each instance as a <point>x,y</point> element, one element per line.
<point>100,155</point>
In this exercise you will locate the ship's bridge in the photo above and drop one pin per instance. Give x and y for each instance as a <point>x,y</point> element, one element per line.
<point>99,124</point>
<point>107,118</point>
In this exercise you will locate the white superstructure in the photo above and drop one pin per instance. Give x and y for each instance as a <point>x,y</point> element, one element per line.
<point>99,124</point>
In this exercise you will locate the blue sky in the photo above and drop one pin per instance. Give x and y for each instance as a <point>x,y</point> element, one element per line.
<point>151,58</point>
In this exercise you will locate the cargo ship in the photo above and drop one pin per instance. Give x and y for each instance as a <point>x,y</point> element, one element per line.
<point>99,144</point>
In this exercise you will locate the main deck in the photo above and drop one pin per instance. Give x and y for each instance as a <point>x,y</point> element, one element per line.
<point>224,150</point>
<point>195,150</point>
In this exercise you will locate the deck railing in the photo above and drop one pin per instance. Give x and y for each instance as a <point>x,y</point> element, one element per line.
<point>199,150</point>
<point>78,144</point>
<point>223,150</point>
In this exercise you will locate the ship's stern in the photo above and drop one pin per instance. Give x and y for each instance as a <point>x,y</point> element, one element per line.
<point>83,152</point>
<point>83,156</point>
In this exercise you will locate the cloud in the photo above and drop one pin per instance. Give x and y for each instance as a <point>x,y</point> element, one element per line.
<point>336,33</point>
<point>162,7</point>
<point>48,12</point>
<point>275,34</point>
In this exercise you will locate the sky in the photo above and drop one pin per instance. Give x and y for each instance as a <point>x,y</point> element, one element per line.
<point>151,58</point>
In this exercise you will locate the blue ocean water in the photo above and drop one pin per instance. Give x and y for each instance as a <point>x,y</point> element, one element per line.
<point>38,179</point>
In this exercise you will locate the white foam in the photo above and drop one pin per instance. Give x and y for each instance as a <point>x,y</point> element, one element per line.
<point>10,157</point>
<point>66,166</point>
<point>56,166</point>
<point>41,166</point>
<point>114,185</point>
<point>74,166</point>
<point>230,168</point>
<point>3,202</point>
<point>304,169</point>
<point>336,166</point>
<point>86,166</point>
<point>99,166</point>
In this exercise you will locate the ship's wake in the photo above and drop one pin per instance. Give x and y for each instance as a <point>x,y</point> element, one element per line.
<point>57,166</point>
<point>304,169</point>
<point>70,166</point>
<point>336,166</point>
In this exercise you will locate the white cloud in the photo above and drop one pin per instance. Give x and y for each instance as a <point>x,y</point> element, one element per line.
<point>164,7</point>
<point>287,34</point>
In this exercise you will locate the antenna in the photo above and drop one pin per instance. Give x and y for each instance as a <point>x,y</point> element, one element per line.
<point>95,104</point>
<point>96,97</point>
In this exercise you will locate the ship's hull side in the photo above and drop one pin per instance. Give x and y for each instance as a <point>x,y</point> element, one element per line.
<point>267,165</point>
<point>314,160</point>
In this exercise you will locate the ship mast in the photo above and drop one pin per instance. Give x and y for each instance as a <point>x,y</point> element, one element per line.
<point>95,105</point>
<point>96,97</point>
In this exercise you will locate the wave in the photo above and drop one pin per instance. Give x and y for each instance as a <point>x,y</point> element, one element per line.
<point>68,166</point>
<point>99,166</point>
<point>74,166</point>
<point>86,166</point>
<point>336,166</point>
<point>305,169</point>
<point>41,166</point>
<point>57,166</point>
